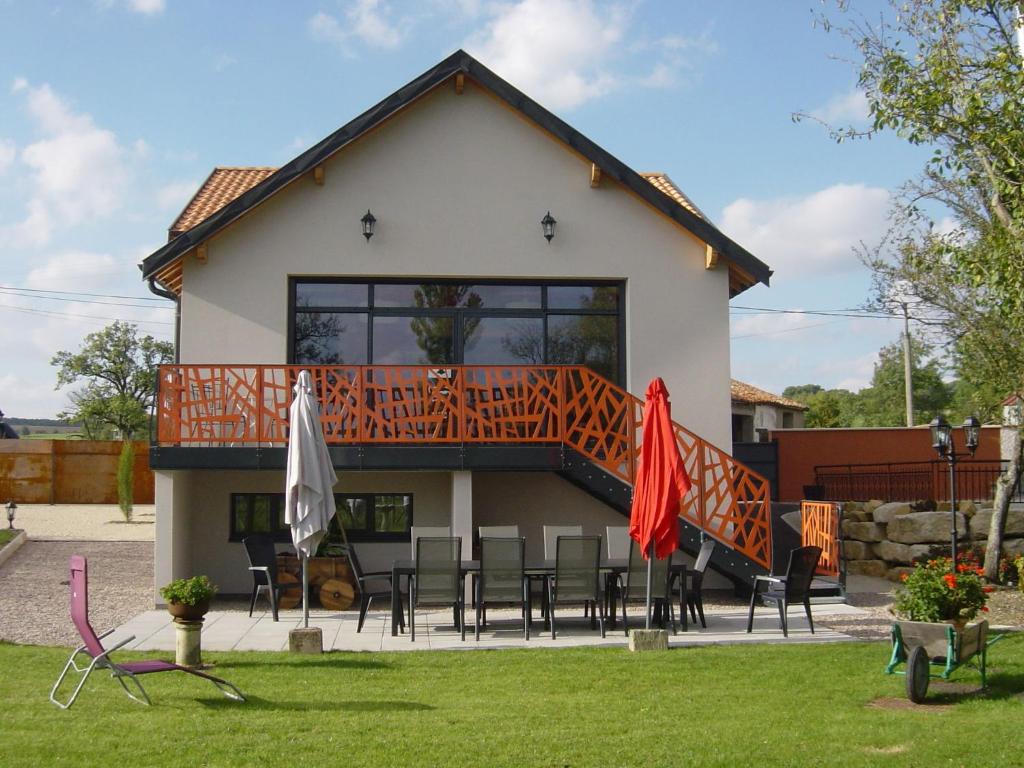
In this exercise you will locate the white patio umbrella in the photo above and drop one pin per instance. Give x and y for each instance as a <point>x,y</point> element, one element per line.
<point>309,482</point>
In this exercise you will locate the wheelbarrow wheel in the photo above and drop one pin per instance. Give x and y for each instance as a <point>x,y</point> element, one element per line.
<point>917,674</point>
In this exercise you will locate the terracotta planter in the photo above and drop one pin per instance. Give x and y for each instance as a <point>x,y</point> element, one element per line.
<point>183,612</point>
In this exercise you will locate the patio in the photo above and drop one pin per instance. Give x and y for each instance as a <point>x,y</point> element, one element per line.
<point>234,630</point>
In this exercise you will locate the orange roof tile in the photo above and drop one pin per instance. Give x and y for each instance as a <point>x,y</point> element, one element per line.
<point>664,184</point>
<point>745,393</point>
<point>221,187</point>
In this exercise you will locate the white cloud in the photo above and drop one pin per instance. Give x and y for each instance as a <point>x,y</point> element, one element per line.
<point>75,271</point>
<point>853,373</point>
<point>815,234</point>
<point>78,170</point>
<point>366,20</point>
<point>224,61</point>
<point>849,107</point>
<point>767,324</point>
<point>176,194</point>
<point>8,151</point>
<point>147,7</point>
<point>555,50</point>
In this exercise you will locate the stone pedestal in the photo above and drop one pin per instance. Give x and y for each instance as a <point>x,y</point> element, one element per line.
<point>648,640</point>
<point>306,640</point>
<point>187,648</point>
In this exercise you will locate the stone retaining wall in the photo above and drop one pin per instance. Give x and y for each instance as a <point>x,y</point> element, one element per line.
<point>884,539</point>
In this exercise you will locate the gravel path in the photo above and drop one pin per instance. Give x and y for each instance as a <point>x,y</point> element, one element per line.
<point>34,591</point>
<point>85,522</point>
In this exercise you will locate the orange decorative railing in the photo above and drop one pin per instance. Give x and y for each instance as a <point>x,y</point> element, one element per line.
<point>819,526</point>
<point>247,405</point>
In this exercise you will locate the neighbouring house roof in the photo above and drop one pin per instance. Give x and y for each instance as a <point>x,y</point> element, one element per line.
<point>221,187</point>
<point>745,269</point>
<point>746,393</point>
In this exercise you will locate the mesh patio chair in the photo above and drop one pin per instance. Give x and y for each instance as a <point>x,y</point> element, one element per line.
<point>551,534</point>
<point>263,567</point>
<point>616,539</point>
<point>99,656</point>
<point>437,579</point>
<point>633,586</point>
<point>577,576</point>
<point>367,594</point>
<point>494,532</point>
<point>502,578</point>
<point>794,587</point>
<point>432,531</point>
<point>694,595</point>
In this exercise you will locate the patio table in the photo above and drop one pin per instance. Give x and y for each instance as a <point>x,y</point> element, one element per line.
<point>541,567</point>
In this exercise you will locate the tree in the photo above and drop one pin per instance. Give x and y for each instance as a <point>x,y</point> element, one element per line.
<point>947,74</point>
<point>126,479</point>
<point>119,368</point>
<point>883,404</point>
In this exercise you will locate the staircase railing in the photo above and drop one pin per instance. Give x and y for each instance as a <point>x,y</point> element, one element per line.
<point>247,406</point>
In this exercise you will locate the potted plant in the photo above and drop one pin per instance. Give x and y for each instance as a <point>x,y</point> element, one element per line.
<point>932,592</point>
<point>189,599</point>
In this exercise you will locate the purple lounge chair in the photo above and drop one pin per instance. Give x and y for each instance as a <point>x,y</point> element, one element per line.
<point>100,656</point>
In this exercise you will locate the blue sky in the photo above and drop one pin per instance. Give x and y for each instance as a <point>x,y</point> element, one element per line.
<point>113,111</point>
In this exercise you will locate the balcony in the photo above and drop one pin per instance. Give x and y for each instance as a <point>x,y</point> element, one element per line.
<point>460,417</point>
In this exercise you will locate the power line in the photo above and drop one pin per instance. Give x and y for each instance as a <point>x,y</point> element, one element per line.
<point>52,313</point>
<point>12,292</point>
<point>786,330</point>
<point>81,293</point>
<point>856,313</point>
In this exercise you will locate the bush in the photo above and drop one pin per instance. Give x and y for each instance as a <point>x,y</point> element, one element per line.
<point>189,591</point>
<point>932,593</point>
<point>126,479</point>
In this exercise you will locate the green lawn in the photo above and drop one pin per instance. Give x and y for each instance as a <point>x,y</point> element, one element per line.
<point>713,706</point>
<point>6,534</point>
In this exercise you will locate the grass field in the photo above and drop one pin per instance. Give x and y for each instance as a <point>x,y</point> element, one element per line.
<point>765,705</point>
<point>6,534</point>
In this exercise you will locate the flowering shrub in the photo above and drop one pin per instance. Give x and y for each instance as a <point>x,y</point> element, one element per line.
<point>932,593</point>
<point>975,557</point>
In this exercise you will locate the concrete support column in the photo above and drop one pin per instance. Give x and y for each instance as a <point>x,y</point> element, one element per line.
<point>171,548</point>
<point>462,510</point>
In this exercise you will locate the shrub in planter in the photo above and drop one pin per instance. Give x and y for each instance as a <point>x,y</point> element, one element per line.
<point>932,593</point>
<point>189,599</point>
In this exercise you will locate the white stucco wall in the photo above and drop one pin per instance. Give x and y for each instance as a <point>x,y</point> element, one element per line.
<point>459,185</point>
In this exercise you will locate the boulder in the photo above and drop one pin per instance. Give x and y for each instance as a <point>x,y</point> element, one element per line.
<point>876,568</point>
<point>968,508</point>
<point>924,527</point>
<point>896,574</point>
<point>853,506</point>
<point>983,519</point>
<point>857,515</point>
<point>886,512</point>
<point>943,506</point>
<point>1013,547</point>
<point>857,550</point>
<point>871,506</point>
<point>863,531</point>
<point>894,552</point>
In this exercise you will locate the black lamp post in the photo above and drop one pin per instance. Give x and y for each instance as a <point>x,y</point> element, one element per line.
<point>942,442</point>
<point>11,509</point>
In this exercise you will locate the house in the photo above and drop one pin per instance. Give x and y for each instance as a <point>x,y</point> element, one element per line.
<point>756,412</point>
<point>475,287</point>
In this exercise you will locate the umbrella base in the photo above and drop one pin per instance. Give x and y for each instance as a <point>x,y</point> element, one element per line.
<point>648,640</point>
<point>306,640</point>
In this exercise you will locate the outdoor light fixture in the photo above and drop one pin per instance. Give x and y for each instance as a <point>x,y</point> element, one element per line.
<point>942,442</point>
<point>11,509</point>
<point>547,226</point>
<point>369,221</point>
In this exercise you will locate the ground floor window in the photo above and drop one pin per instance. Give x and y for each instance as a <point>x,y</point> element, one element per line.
<point>458,322</point>
<point>365,516</point>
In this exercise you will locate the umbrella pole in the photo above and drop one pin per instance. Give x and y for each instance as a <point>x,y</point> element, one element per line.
<point>305,591</point>
<point>650,570</point>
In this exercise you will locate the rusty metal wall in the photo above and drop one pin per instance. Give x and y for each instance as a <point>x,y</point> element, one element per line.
<point>69,472</point>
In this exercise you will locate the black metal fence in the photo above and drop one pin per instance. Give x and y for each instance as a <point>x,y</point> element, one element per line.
<point>909,481</point>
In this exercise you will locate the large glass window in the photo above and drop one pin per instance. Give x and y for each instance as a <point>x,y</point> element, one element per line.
<point>366,516</point>
<point>447,322</point>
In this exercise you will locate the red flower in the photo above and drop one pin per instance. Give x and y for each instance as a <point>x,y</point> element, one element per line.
<point>989,589</point>
<point>950,580</point>
<point>984,608</point>
<point>963,568</point>
<point>904,576</point>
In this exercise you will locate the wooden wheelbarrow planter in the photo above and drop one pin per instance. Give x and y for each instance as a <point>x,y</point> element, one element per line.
<point>924,646</point>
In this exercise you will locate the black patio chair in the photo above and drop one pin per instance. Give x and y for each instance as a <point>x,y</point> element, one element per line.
<point>367,594</point>
<point>502,578</point>
<point>437,579</point>
<point>632,586</point>
<point>794,587</point>
<point>577,577</point>
<point>694,595</point>
<point>263,567</point>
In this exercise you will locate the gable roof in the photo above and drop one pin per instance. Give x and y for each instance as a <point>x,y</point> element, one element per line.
<point>749,269</point>
<point>221,187</point>
<point>747,393</point>
<point>664,184</point>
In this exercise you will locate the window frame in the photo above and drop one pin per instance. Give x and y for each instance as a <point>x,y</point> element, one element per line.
<point>282,533</point>
<point>458,314</point>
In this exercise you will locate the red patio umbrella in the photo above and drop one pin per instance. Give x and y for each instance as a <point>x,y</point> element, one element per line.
<point>660,485</point>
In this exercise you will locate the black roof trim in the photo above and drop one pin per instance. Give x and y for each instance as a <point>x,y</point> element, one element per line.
<point>460,61</point>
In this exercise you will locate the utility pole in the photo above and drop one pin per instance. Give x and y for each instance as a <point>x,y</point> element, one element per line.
<point>908,379</point>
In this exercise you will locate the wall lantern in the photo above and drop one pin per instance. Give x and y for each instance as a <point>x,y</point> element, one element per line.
<point>972,428</point>
<point>942,435</point>
<point>369,222</point>
<point>11,509</point>
<point>547,226</point>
